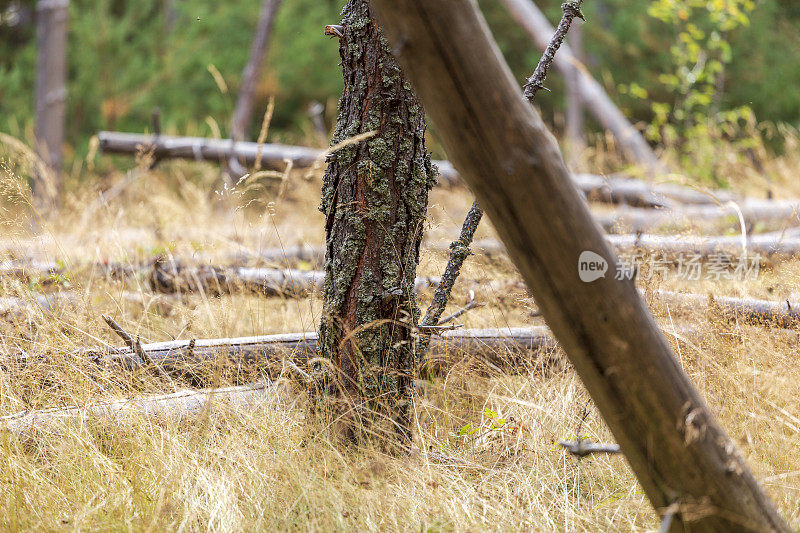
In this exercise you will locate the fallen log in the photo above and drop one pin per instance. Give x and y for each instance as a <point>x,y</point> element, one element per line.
<point>502,349</point>
<point>637,193</point>
<point>182,405</point>
<point>29,269</point>
<point>172,277</point>
<point>747,310</point>
<point>208,149</point>
<point>633,219</point>
<point>773,247</point>
<point>175,277</point>
<point>598,188</point>
<point>15,306</point>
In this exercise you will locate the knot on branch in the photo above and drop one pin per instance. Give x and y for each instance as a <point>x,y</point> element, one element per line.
<point>459,248</point>
<point>531,88</point>
<point>573,9</point>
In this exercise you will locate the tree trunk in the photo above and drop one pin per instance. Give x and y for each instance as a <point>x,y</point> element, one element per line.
<point>51,95</point>
<point>243,114</point>
<point>374,197</point>
<point>686,463</point>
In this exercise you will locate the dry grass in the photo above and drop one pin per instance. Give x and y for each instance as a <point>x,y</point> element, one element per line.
<point>264,469</point>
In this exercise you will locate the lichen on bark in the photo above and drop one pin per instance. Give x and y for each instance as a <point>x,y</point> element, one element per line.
<point>375,198</point>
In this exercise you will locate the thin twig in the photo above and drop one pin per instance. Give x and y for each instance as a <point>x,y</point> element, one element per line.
<point>459,251</point>
<point>583,447</point>
<point>136,347</point>
<point>471,304</point>
<point>571,9</point>
<point>438,328</point>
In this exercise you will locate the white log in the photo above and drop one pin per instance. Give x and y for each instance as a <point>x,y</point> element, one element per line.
<point>182,404</point>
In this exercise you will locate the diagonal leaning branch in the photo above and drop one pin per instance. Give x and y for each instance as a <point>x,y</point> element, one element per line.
<point>672,441</point>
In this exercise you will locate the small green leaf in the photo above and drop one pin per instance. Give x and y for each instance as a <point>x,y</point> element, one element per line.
<point>467,430</point>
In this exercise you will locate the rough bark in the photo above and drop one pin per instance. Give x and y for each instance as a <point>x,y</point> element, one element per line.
<point>597,101</point>
<point>374,197</point>
<point>243,113</point>
<point>51,95</point>
<point>503,150</point>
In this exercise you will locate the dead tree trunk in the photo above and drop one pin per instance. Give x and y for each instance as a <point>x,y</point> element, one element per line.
<point>686,463</point>
<point>374,197</point>
<point>51,95</point>
<point>594,96</point>
<point>243,114</point>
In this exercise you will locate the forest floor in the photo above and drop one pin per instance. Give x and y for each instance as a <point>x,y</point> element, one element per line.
<point>263,469</point>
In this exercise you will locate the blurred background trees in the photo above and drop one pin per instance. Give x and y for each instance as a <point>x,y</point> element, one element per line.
<point>681,69</point>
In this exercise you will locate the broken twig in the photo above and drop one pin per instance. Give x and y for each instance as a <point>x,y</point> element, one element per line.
<point>471,304</point>
<point>136,347</point>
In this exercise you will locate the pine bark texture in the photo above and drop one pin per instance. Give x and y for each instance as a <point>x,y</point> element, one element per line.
<point>374,197</point>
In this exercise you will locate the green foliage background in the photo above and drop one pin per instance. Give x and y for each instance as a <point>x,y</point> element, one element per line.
<point>124,61</point>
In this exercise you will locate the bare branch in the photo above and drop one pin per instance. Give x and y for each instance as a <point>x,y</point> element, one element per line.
<point>471,304</point>
<point>136,347</point>
<point>571,9</point>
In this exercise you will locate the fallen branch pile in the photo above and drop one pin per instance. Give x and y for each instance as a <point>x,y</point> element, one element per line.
<point>176,277</point>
